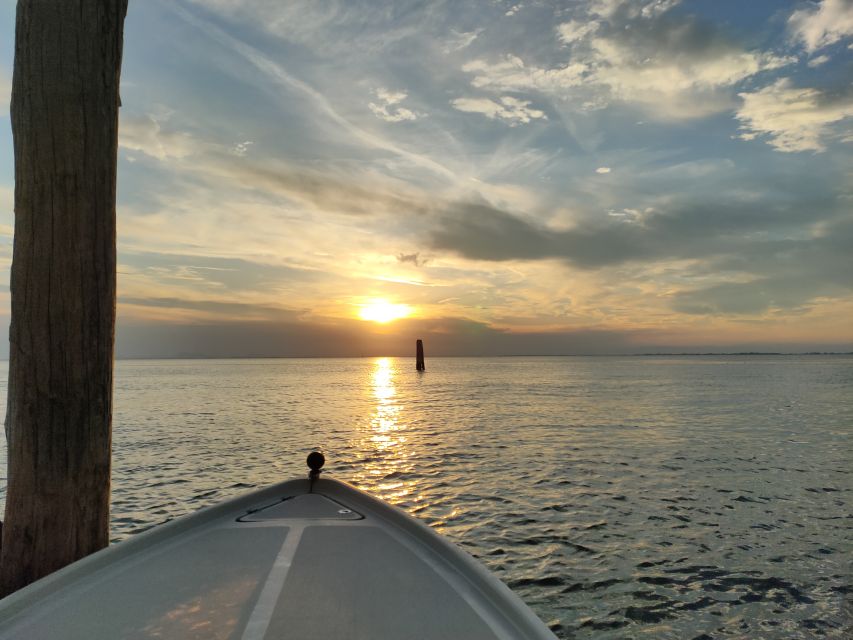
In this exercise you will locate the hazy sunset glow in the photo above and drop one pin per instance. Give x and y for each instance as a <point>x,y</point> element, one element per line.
<point>598,176</point>
<point>382,311</point>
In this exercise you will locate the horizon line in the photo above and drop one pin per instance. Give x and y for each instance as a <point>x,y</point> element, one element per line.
<point>502,355</point>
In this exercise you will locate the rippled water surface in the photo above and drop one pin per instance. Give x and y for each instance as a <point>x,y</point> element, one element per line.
<point>655,497</point>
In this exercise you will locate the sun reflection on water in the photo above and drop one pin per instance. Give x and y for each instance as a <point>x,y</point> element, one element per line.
<point>385,435</point>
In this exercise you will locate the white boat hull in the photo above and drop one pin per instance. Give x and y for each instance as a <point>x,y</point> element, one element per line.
<point>289,561</point>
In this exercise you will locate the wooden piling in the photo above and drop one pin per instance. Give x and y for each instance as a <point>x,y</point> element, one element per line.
<point>65,100</point>
<point>420,356</point>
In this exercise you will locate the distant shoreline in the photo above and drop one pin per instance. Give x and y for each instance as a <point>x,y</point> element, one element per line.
<point>525,355</point>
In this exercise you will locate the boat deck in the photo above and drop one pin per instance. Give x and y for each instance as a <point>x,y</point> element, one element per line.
<point>291,561</point>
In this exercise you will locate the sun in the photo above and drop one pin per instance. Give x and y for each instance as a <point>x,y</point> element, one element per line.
<point>382,311</point>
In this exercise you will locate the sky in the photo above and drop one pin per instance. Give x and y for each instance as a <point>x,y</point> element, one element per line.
<point>531,177</point>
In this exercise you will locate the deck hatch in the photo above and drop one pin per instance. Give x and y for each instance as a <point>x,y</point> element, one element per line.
<point>306,506</point>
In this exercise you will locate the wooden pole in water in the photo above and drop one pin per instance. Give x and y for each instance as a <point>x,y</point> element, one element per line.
<point>65,100</point>
<point>420,356</point>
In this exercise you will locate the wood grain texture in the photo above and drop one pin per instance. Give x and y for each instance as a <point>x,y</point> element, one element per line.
<point>65,99</point>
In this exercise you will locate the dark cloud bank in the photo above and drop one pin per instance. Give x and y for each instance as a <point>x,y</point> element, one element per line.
<point>445,337</point>
<point>771,244</point>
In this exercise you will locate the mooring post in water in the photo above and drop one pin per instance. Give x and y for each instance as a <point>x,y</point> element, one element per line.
<point>420,356</point>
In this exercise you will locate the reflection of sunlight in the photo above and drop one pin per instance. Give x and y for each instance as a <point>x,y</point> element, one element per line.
<point>383,380</point>
<point>387,435</point>
<point>212,613</point>
<point>384,419</point>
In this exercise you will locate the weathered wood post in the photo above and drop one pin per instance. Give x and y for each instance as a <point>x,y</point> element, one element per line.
<point>420,356</point>
<point>65,99</point>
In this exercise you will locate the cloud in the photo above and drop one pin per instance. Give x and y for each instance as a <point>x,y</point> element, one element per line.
<point>605,8</point>
<point>684,229</point>
<point>298,220</point>
<point>323,190</point>
<point>388,108</point>
<point>793,119</point>
<point>507,108</point>
<point>657,7</point>
<point>207,310</point>
<point>319,337</point>
<point>511,74</point>
<point>632,8</point>
<point>276,76</point>
<point>341,28</point>
<point>412,258</point>
<point>671,66</point>
<point>740,298</point>
<point>822,25</point>
<point>738,257</point>
<point>147,135</point>
<point>514,9</point>
<point>213,274</point>
<point>672,80</point>
<point>241,148</point>
<point>481,232</point>
<point>459,40</point>
<point>574,30</point>
<point>345,189</point>
<point>328,190</point>
<point>778,275</point>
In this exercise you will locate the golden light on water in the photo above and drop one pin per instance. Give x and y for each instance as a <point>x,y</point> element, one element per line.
<point>386,435</point>
<point>384,421</point>
<point>382,311</point>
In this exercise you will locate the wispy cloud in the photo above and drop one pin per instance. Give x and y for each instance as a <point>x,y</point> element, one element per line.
<point>575,30</point>
<point>340,28</point>
<point>511,74</point>
<point>514,9</point>
<point>512,110</point>
<point>388,106</point>
<point>631,8</point>
<point>676,84</point>
<point>148,135</point>
<point>820,25</point>
<point>241,149</point>
<point>792,119</point>
<point>459,40</point>
<point>277,75</point>
<point>671,67</point>
<point>328,190</point>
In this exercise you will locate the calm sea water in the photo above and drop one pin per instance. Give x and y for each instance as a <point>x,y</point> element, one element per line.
<point>645,497</point>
